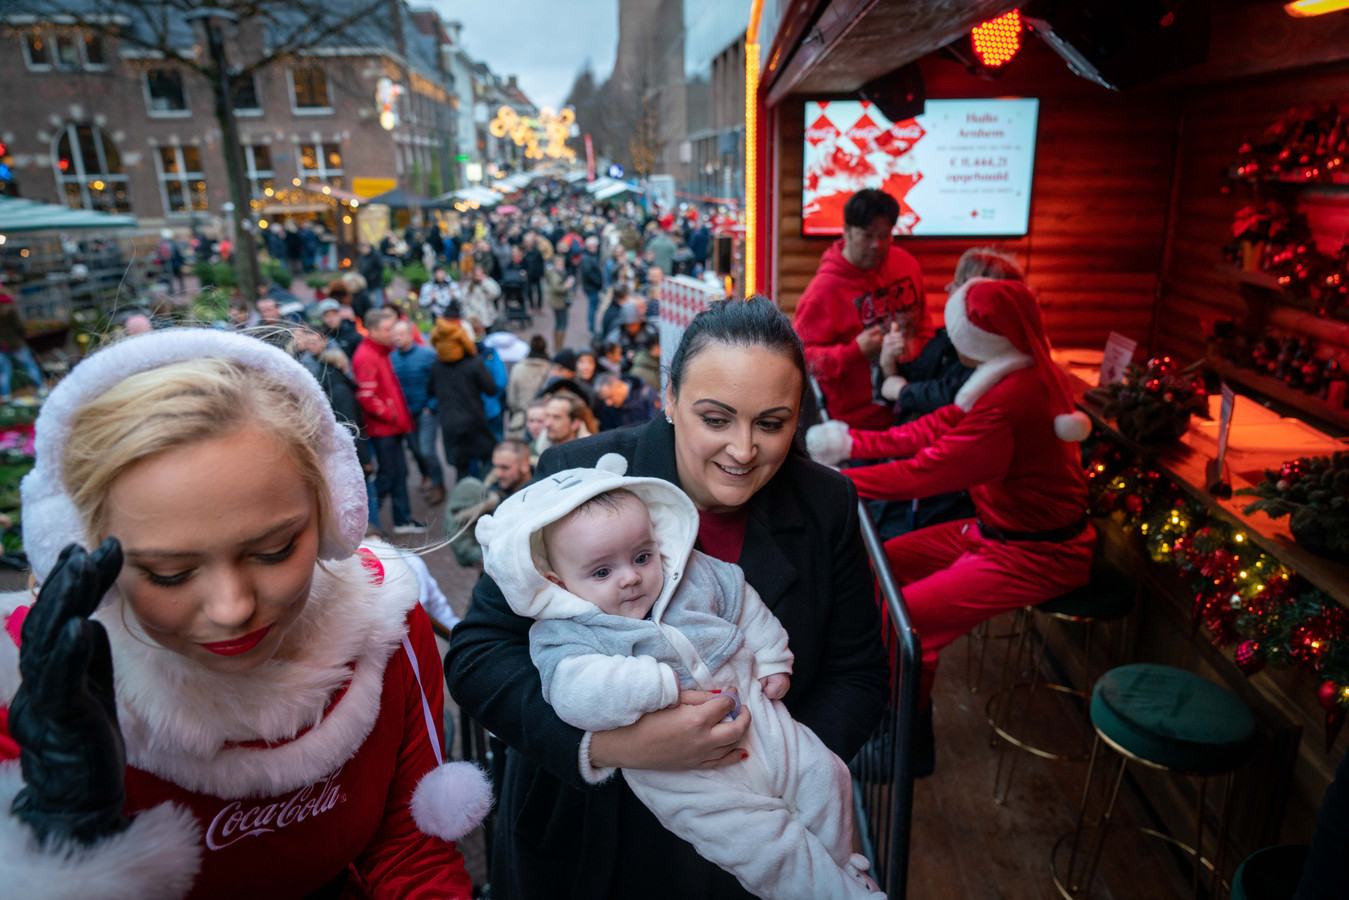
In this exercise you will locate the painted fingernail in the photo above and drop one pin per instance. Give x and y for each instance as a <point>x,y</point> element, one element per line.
<point>716,692</point>
<point>744,756</point>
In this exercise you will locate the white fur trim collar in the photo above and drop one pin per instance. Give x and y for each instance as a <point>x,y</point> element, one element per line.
<point>50,521</point>
<point>156,858</point>
<point>179,719</point>
<point>989,373</point>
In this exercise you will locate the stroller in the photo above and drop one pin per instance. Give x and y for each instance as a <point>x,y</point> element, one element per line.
<point>516,307</point>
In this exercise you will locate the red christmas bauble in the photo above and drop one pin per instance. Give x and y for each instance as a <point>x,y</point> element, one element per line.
<point>1133,504</point>
<point>1328,695</point>
<point>1248,657</point>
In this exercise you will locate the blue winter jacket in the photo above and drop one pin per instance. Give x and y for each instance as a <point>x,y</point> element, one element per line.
<point>413,368</point>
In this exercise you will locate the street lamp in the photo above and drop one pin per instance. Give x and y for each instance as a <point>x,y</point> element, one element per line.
<point>212,19</point>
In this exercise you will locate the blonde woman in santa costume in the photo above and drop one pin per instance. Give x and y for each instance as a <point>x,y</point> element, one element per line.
<point>226,698</point>
<point>1010,440</point>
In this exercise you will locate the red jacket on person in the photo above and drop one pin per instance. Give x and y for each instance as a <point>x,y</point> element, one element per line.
<point>378,391</point>
<point>840,301</point>
<point>1004,451</point>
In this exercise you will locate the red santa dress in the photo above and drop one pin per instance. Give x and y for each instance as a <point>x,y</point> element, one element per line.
<point>839,303</point>
<point>322,763</point>
<point>1009,440</point>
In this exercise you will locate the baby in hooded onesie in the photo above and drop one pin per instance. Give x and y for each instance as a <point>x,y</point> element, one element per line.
<point>627,614</point>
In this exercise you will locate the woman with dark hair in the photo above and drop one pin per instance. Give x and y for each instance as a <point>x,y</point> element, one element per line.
<point>567,826</point>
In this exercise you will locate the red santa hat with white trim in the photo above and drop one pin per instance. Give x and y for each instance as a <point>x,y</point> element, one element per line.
<point>998,324</point>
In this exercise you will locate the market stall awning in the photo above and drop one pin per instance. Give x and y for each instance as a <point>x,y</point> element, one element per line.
<point>479,195</point>
<point>574,176</point>
<point>18,214</point>
<point>401,199</point>
<point>604,188</point>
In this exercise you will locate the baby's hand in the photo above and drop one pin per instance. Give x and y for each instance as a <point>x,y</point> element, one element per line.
<point>775,686</point>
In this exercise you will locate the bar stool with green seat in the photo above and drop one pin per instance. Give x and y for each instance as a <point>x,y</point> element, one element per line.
<point>1169,719</point>
<point>1272,873</point>
<point>1108,596</point>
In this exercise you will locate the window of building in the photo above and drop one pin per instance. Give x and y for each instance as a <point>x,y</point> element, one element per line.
<point>63,50</point>
<point>93,52</point>
<point>67,52</point>
<point>165,94</point>
<point>182,184</point>
<point>37,52</point>
<point>246,101</point>
<point>321,163</point>
<point>89,169</point>
<point>309,90</point>
<point>261,175</point>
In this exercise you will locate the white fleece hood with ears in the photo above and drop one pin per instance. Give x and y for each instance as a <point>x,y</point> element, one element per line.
<point>512,537</point>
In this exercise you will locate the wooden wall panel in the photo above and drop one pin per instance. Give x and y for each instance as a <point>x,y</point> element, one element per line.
<point>1102,180</point>
<point>1197,286</point>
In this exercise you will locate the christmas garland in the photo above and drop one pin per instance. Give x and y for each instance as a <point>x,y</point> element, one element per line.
<point>1242,595</point>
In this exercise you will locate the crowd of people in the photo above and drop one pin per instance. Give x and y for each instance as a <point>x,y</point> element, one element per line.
<point>673,589</point>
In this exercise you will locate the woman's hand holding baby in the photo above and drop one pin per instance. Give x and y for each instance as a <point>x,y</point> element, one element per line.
<point>688,736</point>
<point>775,686</point>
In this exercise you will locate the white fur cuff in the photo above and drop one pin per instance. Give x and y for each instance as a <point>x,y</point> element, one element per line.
<point>589,773</point>
<point>829,442</point>
<point>451,800</point>
<point>156,858</point>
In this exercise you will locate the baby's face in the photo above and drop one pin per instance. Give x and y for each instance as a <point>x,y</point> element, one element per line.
<point>610,559</point>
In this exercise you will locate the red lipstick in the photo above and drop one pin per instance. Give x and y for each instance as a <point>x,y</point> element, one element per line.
<point>239,645</point>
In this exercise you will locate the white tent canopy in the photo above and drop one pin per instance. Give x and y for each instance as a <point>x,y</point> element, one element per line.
<point>17,214</point>
<point>480,195</point>
<point>604,188</point>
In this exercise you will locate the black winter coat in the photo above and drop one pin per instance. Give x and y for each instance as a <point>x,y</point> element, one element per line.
<point>559,837</point>
<point>934,376</point>
<point>458,388</point>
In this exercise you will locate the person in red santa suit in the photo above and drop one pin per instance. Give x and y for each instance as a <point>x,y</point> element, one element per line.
<point>1010,440</point>
<point>227,697</point>
<point>864,289</point>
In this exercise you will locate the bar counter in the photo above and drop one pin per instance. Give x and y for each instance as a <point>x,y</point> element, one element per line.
<point>1277,795</point>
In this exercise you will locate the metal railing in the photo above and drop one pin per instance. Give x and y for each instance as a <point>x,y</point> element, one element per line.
<point>883,769</point>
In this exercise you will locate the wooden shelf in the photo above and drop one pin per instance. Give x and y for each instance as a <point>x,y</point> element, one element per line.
<point>1248,276</point>
<point>1185,466</point>
<point>1275,390</point>
<point>1339,183</point>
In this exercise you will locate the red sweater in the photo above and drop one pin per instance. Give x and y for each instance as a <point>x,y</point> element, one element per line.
<point>840,301</point>
<point>378,391</point>
<point>1020,476</point>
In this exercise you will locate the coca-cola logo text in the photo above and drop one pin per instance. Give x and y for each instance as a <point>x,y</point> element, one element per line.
<point>234,823</point>
<point>907,132</point>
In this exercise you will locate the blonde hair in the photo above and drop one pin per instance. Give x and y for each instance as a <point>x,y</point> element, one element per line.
<point>987,262</point>
<point>179,404</point>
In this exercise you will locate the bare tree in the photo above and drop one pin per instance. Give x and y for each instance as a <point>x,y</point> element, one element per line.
<point>269,32</point>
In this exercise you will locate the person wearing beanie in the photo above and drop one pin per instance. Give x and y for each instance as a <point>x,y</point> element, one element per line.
<point>1010,440</point>
<point>627,614</point>
<point>245,703</point>
<point>864,286</point>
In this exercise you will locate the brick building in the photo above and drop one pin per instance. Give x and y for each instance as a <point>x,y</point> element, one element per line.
<point>95,121</point>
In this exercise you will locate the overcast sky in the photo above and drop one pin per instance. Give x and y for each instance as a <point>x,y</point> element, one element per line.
<point>542,42</point>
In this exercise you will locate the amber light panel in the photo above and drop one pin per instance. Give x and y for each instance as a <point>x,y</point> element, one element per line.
<point>997,40</point>
<point>1305,9</point>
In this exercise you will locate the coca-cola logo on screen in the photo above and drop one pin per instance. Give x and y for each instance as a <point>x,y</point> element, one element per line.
<point>821,130</point>
<point>234,822</point>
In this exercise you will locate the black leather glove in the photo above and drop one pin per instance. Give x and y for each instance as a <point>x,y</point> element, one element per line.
<point>64,716</point>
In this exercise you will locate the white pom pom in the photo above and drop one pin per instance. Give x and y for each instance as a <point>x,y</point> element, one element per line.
<point>1074,426</point>
<point>451,800</point>
<point>829,442</point>
<point>612,463</point>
